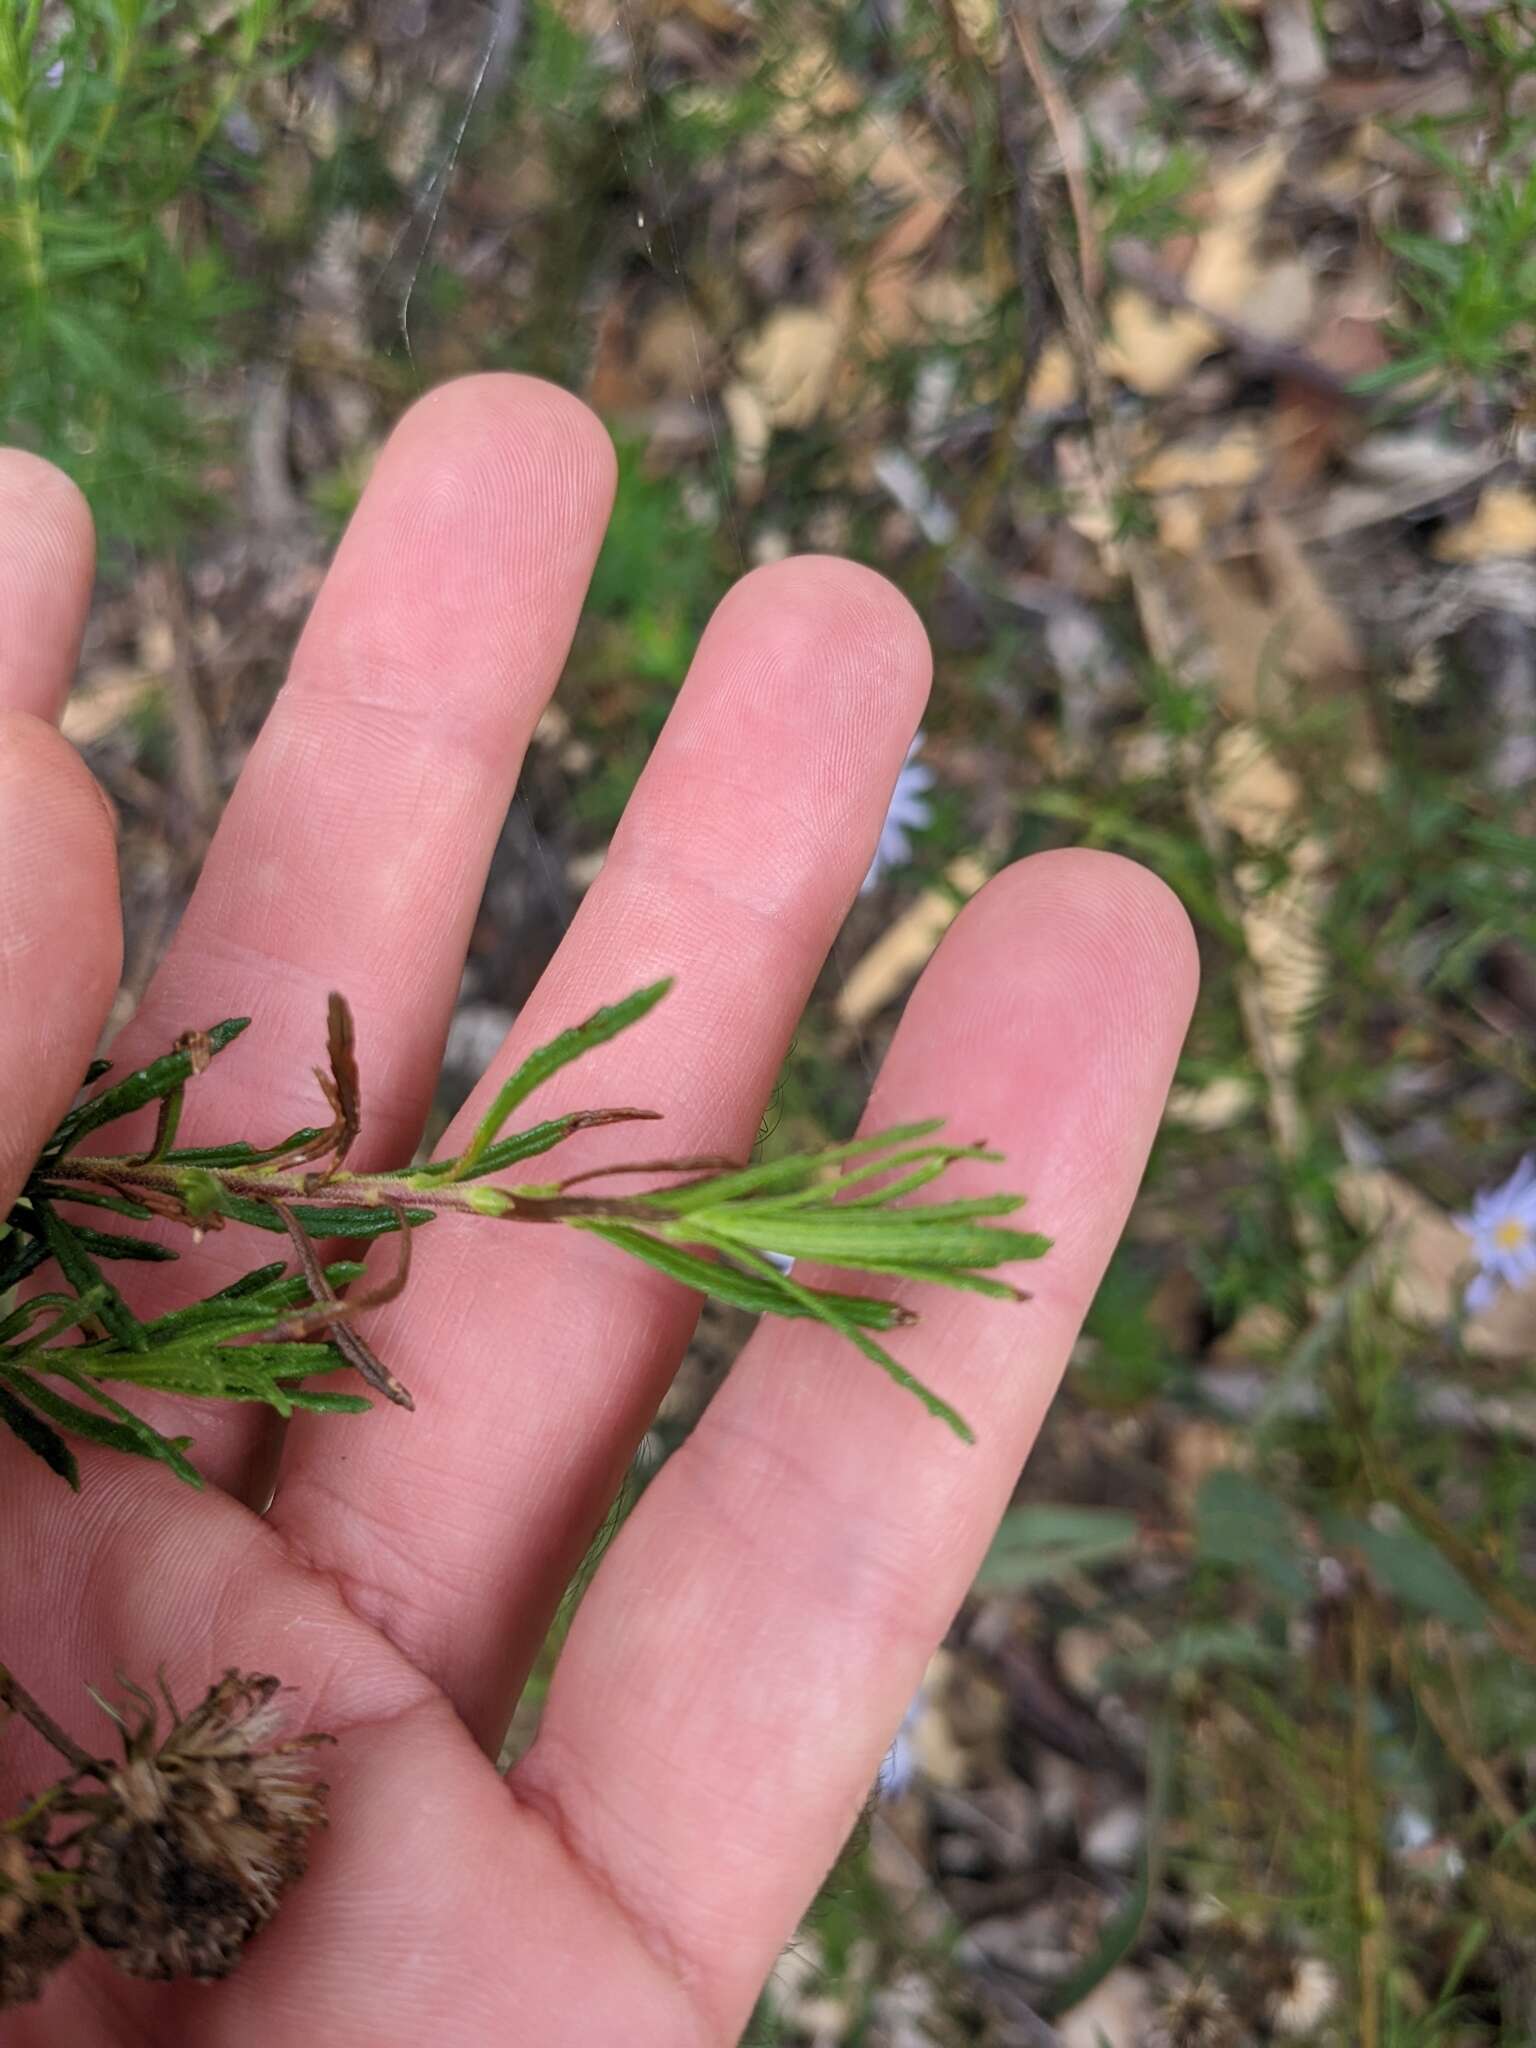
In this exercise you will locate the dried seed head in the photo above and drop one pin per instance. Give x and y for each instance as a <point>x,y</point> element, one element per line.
<point>201,1834</point>
<point>1195,2013</point>
<point>39,1929</point>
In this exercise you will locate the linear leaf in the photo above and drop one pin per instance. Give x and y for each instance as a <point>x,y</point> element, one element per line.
<point>227,1372</point>
<point>317,1401</point>
<point>926,1163</point>
<point>136,1090</point>
<point>248,1313</point>
<point>597,1029</point>
<point>241,1152</point>
<point>38,1436</point>
<point>743,1290</point>
<point>771,1176</point>
<point>83,1274</point>
<point>527,1144</point>
<point>22,1257</point>
<point>824,1310</point>
<point>118,1430</point>
<point>112,1244</point>
<point>333,1220</point>
<point>92,1198</point>
<point>878,1237</point>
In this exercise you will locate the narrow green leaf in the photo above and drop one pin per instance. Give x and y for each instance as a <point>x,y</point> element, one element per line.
<point>38,1436</point>
<point>248,1313</point>
<point>118,1430</point>
<point>166,1125</point>
<point>135,1091</point>
<point>927,1162</point>
<point>1121,1932</point>
<point>743,1290</point>
<point>336,1220</point>
<point>240,1152</point>
<point>92,1198</point>
<point>944,1276</point>
<point>318,1402</point>
<point>527,1144</point>
<point>601,1026</point>
<point>908,1183</point>
<point>22,1256</point>
<point>824,1311</point>
<point>251,1283</point>
<point>225,1372</point>
<point>877,1238</point>
<point>70,90</point>
<point>70,1312</point>
<point>771,1177</point>
<point>85,1277</point>
<point>112,1244</point>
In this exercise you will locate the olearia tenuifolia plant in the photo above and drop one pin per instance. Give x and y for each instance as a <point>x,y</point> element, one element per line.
<point>180,1853</point>
<point>111,113</point>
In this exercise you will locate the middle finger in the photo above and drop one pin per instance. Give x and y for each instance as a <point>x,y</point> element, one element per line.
<point>537,1356</point>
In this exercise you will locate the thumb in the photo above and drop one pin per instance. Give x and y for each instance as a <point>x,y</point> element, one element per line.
<point>61,941</point>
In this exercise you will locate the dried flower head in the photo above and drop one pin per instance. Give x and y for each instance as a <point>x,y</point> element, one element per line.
<point>198,1836</point>
<point>39,1928</point>
<point>1195,2014</point>
<point>1299,2007</point>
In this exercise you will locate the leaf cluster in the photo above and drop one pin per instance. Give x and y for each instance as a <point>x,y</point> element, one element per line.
<point>726,1229</point>
<point>109,112</point>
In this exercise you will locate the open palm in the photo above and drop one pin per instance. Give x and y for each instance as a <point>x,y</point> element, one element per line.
<point>751,1638</point>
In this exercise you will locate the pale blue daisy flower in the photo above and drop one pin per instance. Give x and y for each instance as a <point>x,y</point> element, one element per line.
<point>1502,1226</point>
<point>899,1765</point>
<point>909,812</point>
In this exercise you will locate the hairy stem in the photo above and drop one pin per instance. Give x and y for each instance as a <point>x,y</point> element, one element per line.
<point>14,1695</point>
<point>353,1191</point>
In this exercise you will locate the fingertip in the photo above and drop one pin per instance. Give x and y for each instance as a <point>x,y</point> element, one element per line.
<point>48,503</point>
<point>509,418</point>
<point>1123,912</point>
<point>47,794</point>
<point>60,931</point>
<point>466,561</point>
<point>47,561</point>
<point>825,595</point>
<point>833,624</point>
<point>1093,914</point>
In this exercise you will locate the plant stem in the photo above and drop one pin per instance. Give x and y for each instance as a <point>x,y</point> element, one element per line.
<point>1516,1615</point>
<point>345,1190</point>
<point>14,1695</point>
<point>15,61</point>
<point>1363,1825</point>
<point>121,68</point>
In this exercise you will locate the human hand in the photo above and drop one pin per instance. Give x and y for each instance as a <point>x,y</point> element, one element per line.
<point>751,1638</point>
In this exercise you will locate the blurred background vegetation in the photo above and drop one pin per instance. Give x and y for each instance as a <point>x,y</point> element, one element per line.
<point>1176,359</point>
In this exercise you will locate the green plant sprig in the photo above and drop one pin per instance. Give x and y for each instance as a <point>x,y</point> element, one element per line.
<point>719,1229</point>
<point>113,283</point>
